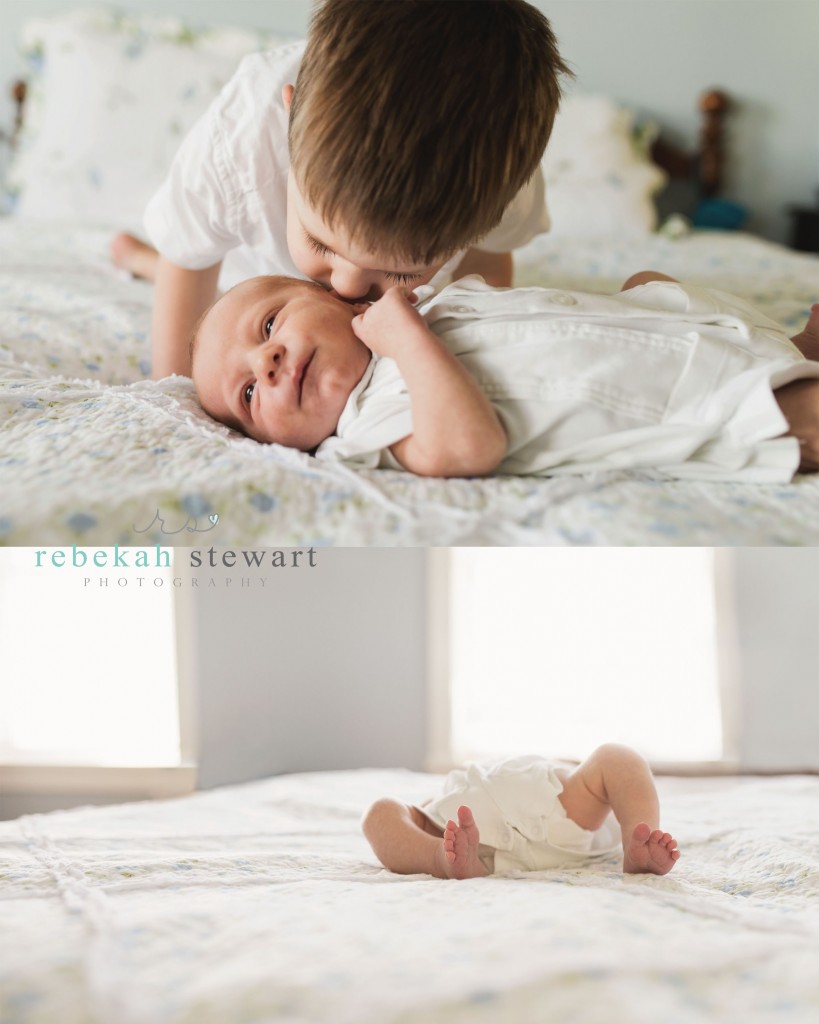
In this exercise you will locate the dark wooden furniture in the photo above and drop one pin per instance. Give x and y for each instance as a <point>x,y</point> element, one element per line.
<point>804,228</point>
<point>705,165</point>
<point>18,94</point>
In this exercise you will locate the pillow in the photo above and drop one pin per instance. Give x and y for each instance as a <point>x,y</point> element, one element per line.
<point>599,180</point>
<point>111,99</point>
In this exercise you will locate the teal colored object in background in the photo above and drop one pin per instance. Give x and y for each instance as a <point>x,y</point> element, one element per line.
<point>720,213</point>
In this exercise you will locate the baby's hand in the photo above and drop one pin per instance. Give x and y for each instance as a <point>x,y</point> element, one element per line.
<point>385,325</point>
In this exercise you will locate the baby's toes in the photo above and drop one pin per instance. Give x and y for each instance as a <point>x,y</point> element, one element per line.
<point>642,833</point>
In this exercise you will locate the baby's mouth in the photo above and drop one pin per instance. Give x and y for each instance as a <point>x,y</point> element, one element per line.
<point>301,373</point>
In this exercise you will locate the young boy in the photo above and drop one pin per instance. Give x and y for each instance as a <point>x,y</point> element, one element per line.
<point>412,138</point>
<point>527,814</point>
<point>683,381</point>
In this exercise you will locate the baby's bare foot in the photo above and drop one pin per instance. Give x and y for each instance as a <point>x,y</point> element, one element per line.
<point>807,341</point>
<point>459,847</point>
<point>655,852</point>
<point>131,254</point>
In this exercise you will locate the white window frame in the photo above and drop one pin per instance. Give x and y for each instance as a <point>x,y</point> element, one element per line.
<point>439,709</point>
<point>30,778</point>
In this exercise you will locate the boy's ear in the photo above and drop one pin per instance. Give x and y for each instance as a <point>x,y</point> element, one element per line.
<point>287,96</point>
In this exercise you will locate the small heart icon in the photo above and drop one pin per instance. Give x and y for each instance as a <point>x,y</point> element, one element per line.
<point>214,518</point>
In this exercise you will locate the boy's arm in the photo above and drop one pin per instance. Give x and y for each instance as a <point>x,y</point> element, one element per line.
<point>181,297</point>
<point>455,430</point>
<point>524,218</point>
<point>494,267</point>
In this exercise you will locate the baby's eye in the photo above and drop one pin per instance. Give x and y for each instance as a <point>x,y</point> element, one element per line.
<point>268,325</point>
<point>247,394</point>
<point>402,279</point>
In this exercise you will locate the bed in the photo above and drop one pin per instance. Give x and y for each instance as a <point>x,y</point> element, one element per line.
<point>262,902</point>
<point>91,452</point>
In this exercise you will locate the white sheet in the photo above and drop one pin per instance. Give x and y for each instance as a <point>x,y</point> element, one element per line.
<point>90,452</point>
<point>263,903</point>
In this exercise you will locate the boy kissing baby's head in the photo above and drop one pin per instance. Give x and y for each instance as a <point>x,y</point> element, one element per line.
<point>277,359</point>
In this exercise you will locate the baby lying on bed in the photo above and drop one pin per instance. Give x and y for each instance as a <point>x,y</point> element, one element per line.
<point>684,381</point>
<point>527,814</point>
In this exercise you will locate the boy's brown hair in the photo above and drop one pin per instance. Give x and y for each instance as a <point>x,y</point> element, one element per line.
<point>414,123</point>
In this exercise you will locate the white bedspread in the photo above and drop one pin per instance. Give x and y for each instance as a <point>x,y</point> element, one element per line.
<point>92,453</point>
<point>262,903</point>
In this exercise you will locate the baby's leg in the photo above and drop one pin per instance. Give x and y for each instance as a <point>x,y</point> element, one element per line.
<point>645,277</point>
<point>799,403</point>
<point>407,842</point>
<point>807,341</point>
<point>617,779</point>
<point>137,257</point>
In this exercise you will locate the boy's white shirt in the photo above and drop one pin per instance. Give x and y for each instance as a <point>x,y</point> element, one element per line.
<point>661,378</point>
<point>225,197</point>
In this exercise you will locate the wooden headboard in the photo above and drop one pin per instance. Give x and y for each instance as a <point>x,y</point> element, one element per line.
<point>18,94</point>
<point>703,166</point>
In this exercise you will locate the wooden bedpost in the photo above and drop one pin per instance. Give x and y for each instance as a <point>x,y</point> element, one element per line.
<point>18,94</point>
<point>705,165</point>
<point>713,105</point>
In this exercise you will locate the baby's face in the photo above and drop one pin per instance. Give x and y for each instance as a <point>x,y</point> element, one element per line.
<point>277,359</point>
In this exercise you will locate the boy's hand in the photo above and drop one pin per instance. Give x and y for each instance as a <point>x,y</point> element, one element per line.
<point>386,325</point>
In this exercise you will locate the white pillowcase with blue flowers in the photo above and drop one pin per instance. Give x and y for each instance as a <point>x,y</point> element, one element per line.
<point>110,99</point>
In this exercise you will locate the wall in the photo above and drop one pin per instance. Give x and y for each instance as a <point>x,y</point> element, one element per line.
<point>323,668</point>
<point>326,668</point>
<point>656,56</point>
<point>777,594</point>
<point>328,671</point>
<point>287,16</point>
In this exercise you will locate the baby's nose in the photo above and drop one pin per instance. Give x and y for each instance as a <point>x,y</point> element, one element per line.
<point>269,359</point>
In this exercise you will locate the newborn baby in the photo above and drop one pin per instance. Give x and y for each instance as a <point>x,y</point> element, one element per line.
<point>687,382</point>
<point>527,814</point>
<point>276,358</point>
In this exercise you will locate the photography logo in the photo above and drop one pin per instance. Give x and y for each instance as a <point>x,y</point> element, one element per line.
<point>157,567</point>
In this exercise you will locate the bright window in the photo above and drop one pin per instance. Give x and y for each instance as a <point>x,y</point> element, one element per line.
<point>555,651</point>
<point>88,668</point>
